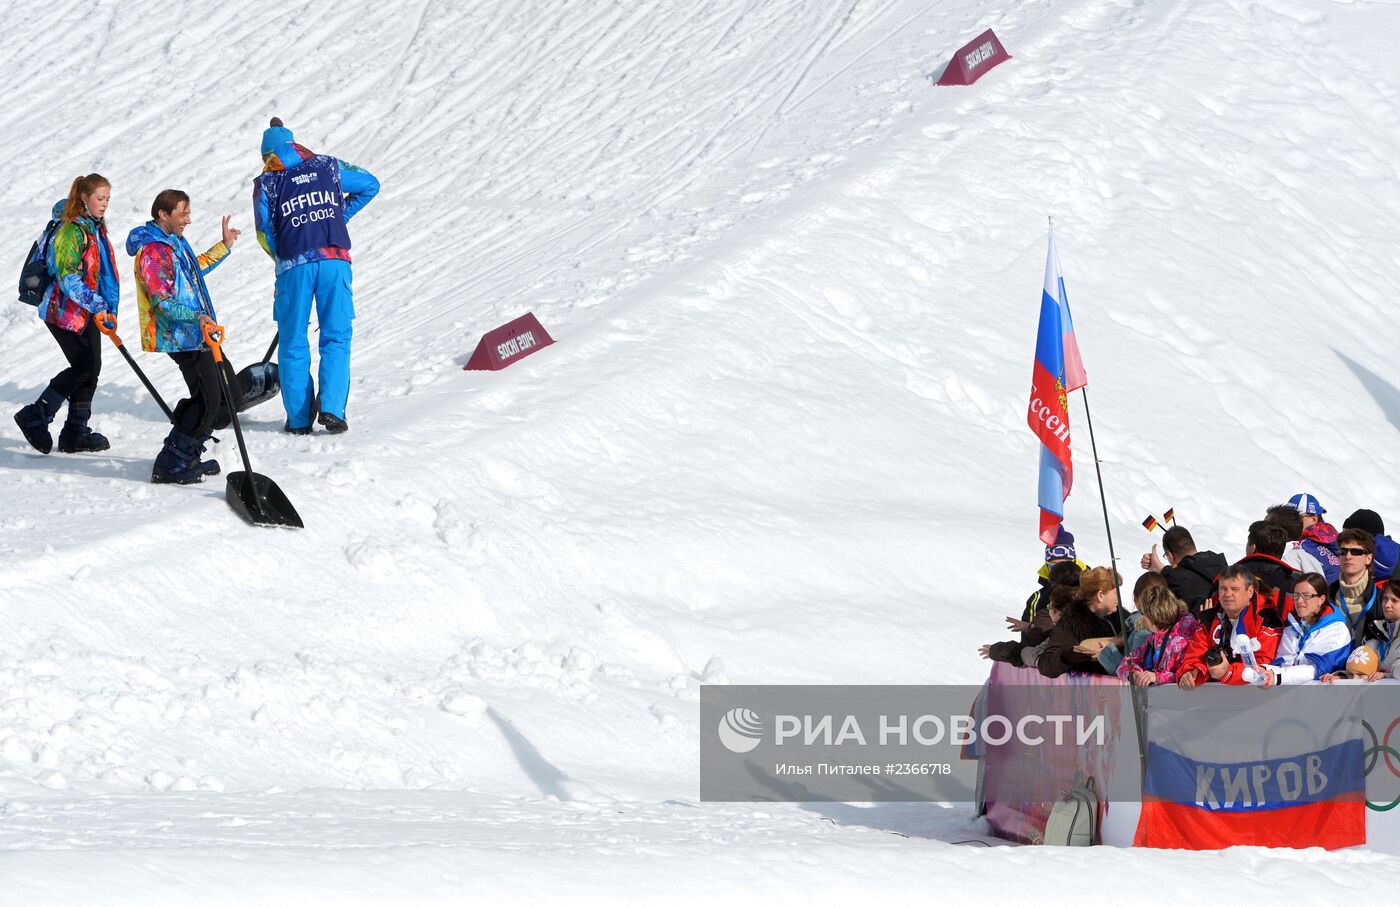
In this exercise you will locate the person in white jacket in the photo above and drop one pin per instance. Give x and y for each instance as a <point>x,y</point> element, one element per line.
<point>1316,639</point>
<point>1294,554</point>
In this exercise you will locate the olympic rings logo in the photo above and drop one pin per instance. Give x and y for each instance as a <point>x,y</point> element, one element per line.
<point>1380,746</point>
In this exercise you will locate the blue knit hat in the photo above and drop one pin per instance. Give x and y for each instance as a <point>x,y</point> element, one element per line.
<point>1063,549</point>
<point>275,135</point>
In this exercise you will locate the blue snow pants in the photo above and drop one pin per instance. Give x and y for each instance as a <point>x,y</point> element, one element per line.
<point>328,284</point>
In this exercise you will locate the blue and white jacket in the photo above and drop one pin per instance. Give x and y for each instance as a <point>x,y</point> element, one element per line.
<point>1307,651</point>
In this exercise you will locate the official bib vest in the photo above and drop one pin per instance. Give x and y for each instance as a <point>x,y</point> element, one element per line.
<point>308,207</point>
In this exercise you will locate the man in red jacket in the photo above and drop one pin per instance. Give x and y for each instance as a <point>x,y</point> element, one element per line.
<point>1244,610</point>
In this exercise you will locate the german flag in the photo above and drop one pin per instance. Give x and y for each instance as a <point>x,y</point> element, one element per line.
<point>1150,523</point>
<point>1169,517</point>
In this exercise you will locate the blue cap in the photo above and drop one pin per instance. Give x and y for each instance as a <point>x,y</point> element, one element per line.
<point>274,137</point>
<point>1307,505</point>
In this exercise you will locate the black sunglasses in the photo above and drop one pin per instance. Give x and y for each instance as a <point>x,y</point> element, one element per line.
<point>1354,552</point>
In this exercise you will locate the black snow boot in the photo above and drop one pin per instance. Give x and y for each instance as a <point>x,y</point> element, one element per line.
<point>33,420</point>
<point>178,461</point>
<point>76,437</point>
<point>206,467</point>
<point>334,424</point>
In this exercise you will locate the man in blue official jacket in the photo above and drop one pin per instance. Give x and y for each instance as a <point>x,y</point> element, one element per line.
<point>302,202</point>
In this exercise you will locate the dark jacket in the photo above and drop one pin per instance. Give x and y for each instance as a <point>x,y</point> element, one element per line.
<point>1077,624</point>
<point>1010,650</point>
<point>1270,571</point>
<point>1193,578</point>
<point>1040,599</point>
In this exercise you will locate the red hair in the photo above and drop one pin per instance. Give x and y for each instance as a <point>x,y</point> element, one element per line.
<point>82,187</point>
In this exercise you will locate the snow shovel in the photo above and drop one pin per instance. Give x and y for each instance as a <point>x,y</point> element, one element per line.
<point>107,324</point>
<point>254,384</point>
<point>254,497</point>
<point>259,382</point>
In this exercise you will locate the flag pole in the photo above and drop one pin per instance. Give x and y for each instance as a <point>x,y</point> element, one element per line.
<point>1107,528</point>
<point>1137,696</point>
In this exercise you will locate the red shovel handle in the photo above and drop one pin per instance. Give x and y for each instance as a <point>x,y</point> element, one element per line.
<point>214,336</point>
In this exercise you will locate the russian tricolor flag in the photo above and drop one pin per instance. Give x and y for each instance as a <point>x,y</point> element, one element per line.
<point>1058,372</point>
<point>1227,767</point>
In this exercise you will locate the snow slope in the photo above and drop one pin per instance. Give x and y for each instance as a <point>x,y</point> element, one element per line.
<point>781,438</point>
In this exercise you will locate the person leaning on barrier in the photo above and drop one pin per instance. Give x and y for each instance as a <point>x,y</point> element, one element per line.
<point>1190,574</point>
<point>1062,575</point>
<point>1315,639</point>
<point>1088,624</point>
<point>1111,656</point>
<point>1244,610</point>
<point>1382,633</point>
<point>1171,627</point>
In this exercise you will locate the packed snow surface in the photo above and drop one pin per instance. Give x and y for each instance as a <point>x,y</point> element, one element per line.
<point>781,437</point>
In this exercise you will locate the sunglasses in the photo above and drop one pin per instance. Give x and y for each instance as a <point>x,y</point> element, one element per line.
<point>1305,596</point>
<point>1354,552</point>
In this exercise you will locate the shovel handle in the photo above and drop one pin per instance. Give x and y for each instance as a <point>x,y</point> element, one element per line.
<point>107,324</point>
<point>214,336</point>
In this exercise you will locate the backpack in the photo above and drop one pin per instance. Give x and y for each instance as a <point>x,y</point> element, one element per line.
<point>1074,820</point>
<point>35,278</point>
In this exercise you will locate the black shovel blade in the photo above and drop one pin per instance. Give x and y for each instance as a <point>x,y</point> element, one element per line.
<point>264,505</point>
<point>258,383</point>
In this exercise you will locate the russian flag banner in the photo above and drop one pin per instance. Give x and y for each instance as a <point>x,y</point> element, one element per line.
<point>1233,767</point>
<point>1058,372</point>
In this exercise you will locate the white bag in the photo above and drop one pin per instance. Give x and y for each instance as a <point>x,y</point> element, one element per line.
<point>1074,819</point>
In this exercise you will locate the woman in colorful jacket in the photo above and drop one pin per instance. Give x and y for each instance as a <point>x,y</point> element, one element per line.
<point>174,305</point>
<point>85,285</point>
<point>1316,639</point>
<point>1159,658</point>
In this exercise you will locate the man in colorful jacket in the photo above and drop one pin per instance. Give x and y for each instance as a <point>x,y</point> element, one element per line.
<point>1244,613</point>
<point>174,306</point>
<point>302,203</point>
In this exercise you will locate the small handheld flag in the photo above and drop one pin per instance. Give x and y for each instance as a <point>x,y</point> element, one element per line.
<point>1170,516</point>
<point>1150,523</point>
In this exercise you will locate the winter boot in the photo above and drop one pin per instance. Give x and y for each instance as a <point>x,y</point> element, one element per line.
<point>334,424</point>
<point>178,461</point>
<point>206,467</point>
<point>34,420</point>
<point>76,437</point>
